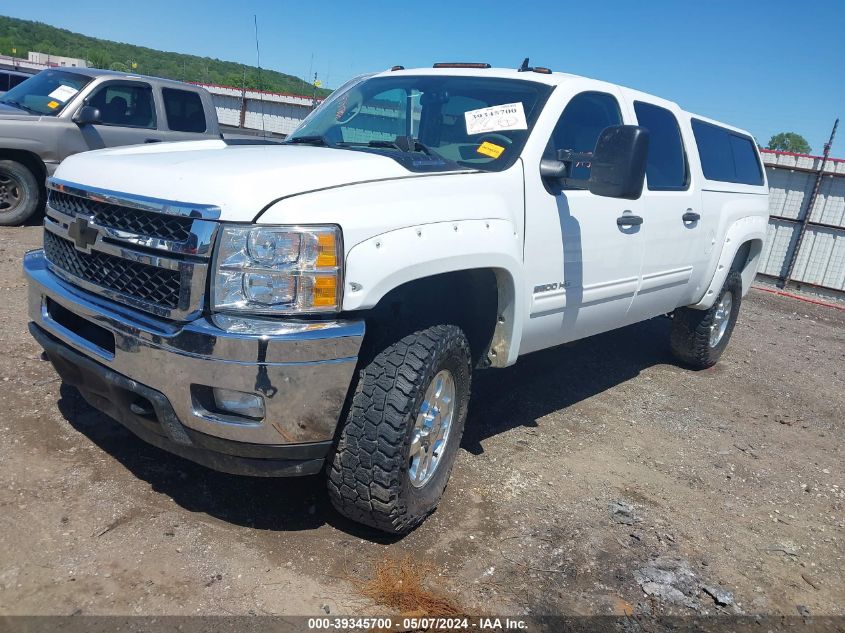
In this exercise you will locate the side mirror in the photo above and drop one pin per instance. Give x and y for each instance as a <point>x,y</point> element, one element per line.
<point>619,162</point>
<point>87,115</point>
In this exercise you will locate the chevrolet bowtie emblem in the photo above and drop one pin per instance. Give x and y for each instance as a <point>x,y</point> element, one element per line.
<point>83,236</point>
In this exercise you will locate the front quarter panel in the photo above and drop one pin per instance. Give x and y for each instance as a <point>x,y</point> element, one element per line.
<point>396,231</point>
<point>380,264</point>
<point>51,139</point>
<point>32,135</point>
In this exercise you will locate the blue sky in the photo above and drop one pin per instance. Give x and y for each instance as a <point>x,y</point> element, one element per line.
<point>764,66</point>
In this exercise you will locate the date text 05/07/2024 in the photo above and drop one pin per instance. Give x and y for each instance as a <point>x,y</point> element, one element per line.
<point>415,624</point>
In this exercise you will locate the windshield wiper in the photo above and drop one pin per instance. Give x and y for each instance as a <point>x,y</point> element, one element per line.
<point>407,144</point>
<point>18,105</point>
<point>411,144</point>
<point>313,139</point>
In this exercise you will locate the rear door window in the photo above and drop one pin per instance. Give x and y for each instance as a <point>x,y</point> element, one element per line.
<point>726,155</point>
<point>666,168</point>
<point>184,110</point>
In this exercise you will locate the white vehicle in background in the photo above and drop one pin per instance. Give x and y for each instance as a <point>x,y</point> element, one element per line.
<point>320,306</point>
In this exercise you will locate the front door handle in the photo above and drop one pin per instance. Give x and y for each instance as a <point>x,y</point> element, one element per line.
<point>152,140</point>
<point>629,220</point>
<point>690,216</point>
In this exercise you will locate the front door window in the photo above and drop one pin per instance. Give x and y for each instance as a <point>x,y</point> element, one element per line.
<point>125,105</point>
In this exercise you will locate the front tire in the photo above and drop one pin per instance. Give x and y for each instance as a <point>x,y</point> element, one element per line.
<point>20,194</point>
<point>699,337</point>
<point>402,433</point>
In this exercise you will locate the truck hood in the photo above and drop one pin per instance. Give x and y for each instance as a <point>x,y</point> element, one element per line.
<point>11,112</point>
<point>240,179</point>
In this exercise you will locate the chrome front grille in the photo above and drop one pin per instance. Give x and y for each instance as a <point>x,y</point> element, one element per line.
<point>148,253</point>
<point>158,286</point>
<point>165,227</point>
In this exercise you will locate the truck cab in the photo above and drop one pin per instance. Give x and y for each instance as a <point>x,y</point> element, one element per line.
<point>60,112</point>
<point>320,306</point>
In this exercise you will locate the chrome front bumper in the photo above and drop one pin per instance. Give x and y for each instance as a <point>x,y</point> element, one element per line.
<point>302,370</point>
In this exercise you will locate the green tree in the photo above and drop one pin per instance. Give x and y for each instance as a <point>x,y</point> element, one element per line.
<point>790,142</point>
<point>98,58</point>
<point>28,36</point>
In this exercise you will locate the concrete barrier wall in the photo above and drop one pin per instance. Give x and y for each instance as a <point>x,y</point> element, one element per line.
<point>281,113</point>
<point>821,258</point>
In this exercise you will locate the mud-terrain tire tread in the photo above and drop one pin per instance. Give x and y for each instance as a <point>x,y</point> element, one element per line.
<point>367,479</point>
<point>690,335</point>
<point>32,194</point>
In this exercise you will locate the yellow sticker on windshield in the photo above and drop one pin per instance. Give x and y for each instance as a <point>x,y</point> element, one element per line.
<point>53,105</point>
<point>490,149</point>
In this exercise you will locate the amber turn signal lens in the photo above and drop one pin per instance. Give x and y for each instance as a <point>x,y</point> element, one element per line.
<point>326,250</point>
<point>325,291</point>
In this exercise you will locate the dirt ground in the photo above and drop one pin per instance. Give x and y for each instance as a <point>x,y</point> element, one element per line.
<point>596,478</point>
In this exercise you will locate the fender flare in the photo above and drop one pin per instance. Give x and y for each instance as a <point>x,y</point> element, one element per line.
<point>386,261</point>
<point>750,228</point>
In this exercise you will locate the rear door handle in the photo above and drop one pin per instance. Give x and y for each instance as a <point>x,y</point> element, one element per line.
<point>152,140</point>
<point>690,216</point>
<point>629,220</point>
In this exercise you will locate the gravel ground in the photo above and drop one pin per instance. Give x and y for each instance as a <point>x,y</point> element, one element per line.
<point>596,478</point>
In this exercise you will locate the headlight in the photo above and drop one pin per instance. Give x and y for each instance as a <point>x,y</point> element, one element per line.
<point>278,269</point>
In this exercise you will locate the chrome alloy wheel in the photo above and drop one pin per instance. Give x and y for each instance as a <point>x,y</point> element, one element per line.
<point>10,192</point>
<point>721,319</point>
<point>431,430</point>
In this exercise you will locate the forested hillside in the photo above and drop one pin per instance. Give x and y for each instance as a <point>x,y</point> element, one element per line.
<point>25,36</point>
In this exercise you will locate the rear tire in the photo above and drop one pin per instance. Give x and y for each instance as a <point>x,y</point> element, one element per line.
<point>699,337</point>
<point>19,193</point>
<point>376,476</point>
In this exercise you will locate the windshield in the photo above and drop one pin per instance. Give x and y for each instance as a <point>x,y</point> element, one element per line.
<point>47,92</point>
<point>430,122</point>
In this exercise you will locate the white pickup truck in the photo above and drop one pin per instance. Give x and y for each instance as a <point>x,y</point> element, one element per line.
<point>320,306</point>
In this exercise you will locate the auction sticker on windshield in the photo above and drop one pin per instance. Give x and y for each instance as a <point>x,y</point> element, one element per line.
<point>63,93</point>
<point>510,116</point>
<point>490,149</point>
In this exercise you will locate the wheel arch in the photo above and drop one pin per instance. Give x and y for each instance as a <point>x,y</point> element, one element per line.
<point>741,250</point>
<point>746,261</point>
<point>465,272</point>
<point>30,160</point>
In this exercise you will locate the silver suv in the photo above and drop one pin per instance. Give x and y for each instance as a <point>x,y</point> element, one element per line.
<point>61,112</point>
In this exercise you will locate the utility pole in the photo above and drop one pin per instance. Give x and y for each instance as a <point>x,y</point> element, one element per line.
<point>242,122</point>
<point>260,86</point>
<point>310,67</point>
<point>810,204</point>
